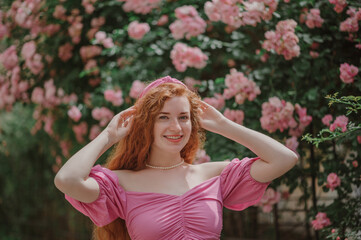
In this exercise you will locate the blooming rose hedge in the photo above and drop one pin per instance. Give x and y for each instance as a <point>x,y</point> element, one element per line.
<point>66,67</point>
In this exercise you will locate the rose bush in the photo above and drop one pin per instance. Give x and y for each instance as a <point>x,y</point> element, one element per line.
<point>67,67</point>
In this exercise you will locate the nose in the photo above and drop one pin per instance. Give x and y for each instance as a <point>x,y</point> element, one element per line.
<point>174,125</point>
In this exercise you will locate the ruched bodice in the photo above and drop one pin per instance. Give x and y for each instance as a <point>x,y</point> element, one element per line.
<point>196,214</point>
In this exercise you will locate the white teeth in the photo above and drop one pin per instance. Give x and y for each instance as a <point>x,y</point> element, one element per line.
<point>173,137</point>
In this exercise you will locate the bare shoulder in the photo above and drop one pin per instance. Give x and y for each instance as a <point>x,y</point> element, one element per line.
<point>124,175</point>
<point>212,169</point>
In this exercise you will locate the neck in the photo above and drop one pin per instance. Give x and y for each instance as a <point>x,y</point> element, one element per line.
<point>164,159</point>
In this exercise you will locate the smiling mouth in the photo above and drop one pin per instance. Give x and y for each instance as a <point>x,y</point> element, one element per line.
<point>174,138</point>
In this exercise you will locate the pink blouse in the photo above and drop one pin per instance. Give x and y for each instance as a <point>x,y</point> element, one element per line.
<point>196,214</point>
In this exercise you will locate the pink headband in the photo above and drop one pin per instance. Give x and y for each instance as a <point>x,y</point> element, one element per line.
<point>160,81</point>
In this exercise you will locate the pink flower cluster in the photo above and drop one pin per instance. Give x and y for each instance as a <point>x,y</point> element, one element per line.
<point>140,6</point>
<point>162,20</point>
<point>229,11</point>
<point>292,144</point>
<point>136,89</point>
<point>321,221</point>
<point>76,26</point>
<point>188,24</point>
<point>327,119</point>
<point>115,97</point>
<point>11,88</point>
<point>191,82</point>
<point>95,130</point>
<point>65,52</point>
<point>88,6</point>
<point>277,114</point>
<point>201,157</point>
<point>351,23</point>
<point>33,60</point>
<point>95,23</point>
<point>333,181</point>
<point>303,119</point>
<point>183,56</point>
<point>74,113</point>
<point>269,198</point>
<point>103,114</point>
<point>348,72</point>
<point>49,96</point>
<point>284,40</point>
<point>101,38</point>
<point>340,122</point>
<point>234,115</point>
<point>80,131</point>
<point>9,58</point>
<point>313,18</point>
<point>339,5</point>
<point>217,101</point>
<point>137,30</point>
<point>88,52</point>
<point>240,87</point>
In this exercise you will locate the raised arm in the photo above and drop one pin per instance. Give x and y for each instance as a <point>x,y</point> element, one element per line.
<point>73,178</point>
<point>275,158</point>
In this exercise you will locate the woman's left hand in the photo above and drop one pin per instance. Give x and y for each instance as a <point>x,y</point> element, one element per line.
<point>211,118</point>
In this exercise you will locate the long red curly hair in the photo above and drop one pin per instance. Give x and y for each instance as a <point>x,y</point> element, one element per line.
<point>133,151</point>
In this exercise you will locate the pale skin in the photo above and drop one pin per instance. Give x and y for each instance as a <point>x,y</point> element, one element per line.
<point>171,130</point>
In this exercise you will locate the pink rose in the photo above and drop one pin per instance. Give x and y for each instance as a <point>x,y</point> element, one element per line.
<point>348,72</point>
<point>38,95</point>
<point>65,52</point>
<point>269,198</point>
<point>355,163</point>
<point>103,114</point>
<point>35,64</point>
<point>314,19</point>
<point>321,221</point>
<point>201,157</point>
<point>217,101</point>
<point>88,52</point>
<point>80,130</point>
<point>162,20</point>
<point>184,56</point>
<point>59,12</point>
<point>327,119</point>
<point>234,115</point>
<point>9,58</point>
<point>292,144</point>
<point>136,89</point>
<point>94,132</point>
<point>115,97</point>
<point>74,113</point>
<point>191,82</point>
<point>341,122</point>
<point>28,50</point>
<point>138,30</point>
<point>333,181</point>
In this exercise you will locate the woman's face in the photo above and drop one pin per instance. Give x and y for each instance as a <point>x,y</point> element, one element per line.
<point>173,125</point>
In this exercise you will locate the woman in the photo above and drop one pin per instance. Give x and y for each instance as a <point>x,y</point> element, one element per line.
<point>150,184</point>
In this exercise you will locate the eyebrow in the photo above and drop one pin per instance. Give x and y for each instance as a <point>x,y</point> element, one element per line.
<point>167,113</point>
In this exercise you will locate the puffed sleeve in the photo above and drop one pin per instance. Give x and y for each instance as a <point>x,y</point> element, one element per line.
<point>110,203</point>
<point>239,189</point>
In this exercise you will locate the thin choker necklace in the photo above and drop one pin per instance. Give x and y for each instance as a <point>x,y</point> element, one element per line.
<point>166,168</point>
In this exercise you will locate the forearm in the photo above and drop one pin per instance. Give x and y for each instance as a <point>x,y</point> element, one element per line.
<point>268,149</point>
<point>79,165</point>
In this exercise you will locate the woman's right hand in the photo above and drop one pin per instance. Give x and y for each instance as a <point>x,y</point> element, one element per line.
<point>119,126</point>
